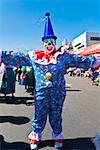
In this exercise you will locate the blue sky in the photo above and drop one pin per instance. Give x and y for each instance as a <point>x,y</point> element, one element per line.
<point>21,25</point>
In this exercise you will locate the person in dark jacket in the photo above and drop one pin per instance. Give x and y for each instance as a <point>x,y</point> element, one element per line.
<point>8,82</point>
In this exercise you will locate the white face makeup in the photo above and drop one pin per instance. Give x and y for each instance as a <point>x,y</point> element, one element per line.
<point>49,45</point>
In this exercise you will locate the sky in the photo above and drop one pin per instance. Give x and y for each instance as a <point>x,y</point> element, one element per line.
<point>22,21</point>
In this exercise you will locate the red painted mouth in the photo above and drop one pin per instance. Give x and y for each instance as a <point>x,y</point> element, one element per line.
<point>49,48</point>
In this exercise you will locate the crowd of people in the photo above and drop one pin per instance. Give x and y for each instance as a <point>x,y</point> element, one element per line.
<point>23,75</point>
<point>94,75</point>
<point>26,77</point>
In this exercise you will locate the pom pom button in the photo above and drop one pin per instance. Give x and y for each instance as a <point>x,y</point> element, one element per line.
<point>48,75</point>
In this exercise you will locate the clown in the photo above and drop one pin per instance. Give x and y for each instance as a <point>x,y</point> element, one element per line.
<point>49,94</point>
<point>50,66</point>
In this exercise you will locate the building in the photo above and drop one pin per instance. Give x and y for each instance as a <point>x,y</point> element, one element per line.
<point>67,44</point>
<point>84,40</point>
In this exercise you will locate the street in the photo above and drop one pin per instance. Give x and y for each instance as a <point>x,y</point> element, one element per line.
<point>81,118</point>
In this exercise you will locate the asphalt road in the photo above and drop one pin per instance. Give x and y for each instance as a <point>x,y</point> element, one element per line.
<point>81,118</point>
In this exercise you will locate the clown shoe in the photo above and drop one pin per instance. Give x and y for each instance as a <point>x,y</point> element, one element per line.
<point>34,140</point>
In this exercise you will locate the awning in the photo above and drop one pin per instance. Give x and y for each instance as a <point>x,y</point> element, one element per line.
<point>90,50</point>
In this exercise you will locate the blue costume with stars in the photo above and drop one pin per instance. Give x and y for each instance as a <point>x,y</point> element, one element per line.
<point>50,93</point>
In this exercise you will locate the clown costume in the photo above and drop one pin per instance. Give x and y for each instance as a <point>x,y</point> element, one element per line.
<point>50,66</point>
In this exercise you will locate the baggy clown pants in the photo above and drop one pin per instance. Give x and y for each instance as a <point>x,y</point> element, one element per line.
<point>48,102</point>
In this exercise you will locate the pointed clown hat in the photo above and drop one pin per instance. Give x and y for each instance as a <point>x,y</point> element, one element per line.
<point>48,31</point>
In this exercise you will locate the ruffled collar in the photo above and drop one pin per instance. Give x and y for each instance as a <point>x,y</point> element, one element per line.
<point>44,59</point>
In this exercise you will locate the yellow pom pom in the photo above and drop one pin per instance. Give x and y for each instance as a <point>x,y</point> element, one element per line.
<point>48,75</point>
